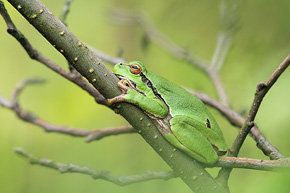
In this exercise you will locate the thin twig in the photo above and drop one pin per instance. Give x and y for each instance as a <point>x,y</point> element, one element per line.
<point>247,163</point>
<point>230,24</point>
<point>99,134</point>
<point>4,103</point>
<point>36,55</point>
<point>65,11</point>
<point>143,19</point>
<point>221,50</point>
<point>261,91</point>
<point>95,174</point>
<point>262,143</point>
<point>226,162</point>
<point>105,57</point>
<point>20,87</point>
<point>32,118</point>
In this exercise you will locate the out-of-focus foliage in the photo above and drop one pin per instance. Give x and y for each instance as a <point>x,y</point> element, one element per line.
<point>261,43</point>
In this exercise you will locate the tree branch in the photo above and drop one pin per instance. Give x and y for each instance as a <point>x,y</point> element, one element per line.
<point>261,91</point>
<point>247,163</point>
<point>32,118</point>
<point>95,174</point>
<point>106,57</point>
<point>86,62</point>
<point>122,180</point>
<point>100,133</point>
<point>36,55</point>
<point>230,22</point>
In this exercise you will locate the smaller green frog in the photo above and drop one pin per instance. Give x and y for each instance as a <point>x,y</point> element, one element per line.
<point>184,120</point>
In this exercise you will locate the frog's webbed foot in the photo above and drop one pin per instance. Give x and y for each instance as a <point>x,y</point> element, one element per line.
<point>122,84</point>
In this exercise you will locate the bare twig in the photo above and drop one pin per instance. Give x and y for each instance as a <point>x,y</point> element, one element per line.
<point>261,91</point>
<point>221,50</point>
<point>262,143</point>
<point>20,87</point>
<point>229,21</point>
<point>36,55</point>
<point>95,174</point>
<point>99,134</point>
<point>4,103</point>
<point>65,11</point>
<point>247,163</point>
<point>143,19</point>
<point>105,57</point>
<point>226,162</point>
<point>32,118</point>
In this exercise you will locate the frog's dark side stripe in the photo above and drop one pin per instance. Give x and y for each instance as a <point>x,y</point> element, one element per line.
<point>152,87</point>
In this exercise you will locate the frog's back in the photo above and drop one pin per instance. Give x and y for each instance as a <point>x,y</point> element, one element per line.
<point>181,102</point>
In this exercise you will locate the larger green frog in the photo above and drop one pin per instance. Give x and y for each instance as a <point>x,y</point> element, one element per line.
<point>186,122</point>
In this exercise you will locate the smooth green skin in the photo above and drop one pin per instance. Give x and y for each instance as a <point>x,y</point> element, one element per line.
<point>189,115</point>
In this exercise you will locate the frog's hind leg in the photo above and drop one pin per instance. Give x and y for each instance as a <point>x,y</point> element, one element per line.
<point>190,140</point>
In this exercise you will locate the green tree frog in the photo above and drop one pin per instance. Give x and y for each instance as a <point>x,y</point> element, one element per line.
<point>181,117</point>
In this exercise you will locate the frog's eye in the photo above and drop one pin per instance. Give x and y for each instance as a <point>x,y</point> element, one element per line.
<point>135,69</point>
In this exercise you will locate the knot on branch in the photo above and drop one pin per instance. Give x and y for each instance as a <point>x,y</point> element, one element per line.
<point>11,30</point>
<point>261,86</point>
<point>26,116</point>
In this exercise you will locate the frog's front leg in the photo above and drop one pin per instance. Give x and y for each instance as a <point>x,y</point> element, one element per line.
<point>151,105</point>
<point>121,98</point>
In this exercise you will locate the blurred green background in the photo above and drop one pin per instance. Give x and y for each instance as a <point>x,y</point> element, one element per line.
<point>260,45</point>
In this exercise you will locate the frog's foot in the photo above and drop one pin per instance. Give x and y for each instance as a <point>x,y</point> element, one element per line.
<point>117,99</point>
<point>123,85</point>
